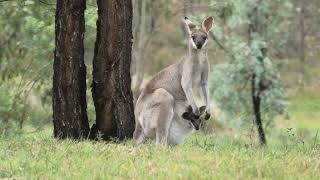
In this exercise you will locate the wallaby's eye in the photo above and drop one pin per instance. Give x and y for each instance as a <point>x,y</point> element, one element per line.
<point>204,37</point>
<point>193,37</point>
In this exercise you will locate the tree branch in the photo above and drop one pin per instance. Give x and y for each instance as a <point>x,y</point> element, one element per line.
<point>46,3</point>
<point>221,46</point>
<point>5,0</point>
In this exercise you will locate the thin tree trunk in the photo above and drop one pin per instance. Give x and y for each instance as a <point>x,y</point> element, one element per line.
<point>140,52</point>
<point>136,25</point>
<point>256,101</point>
<point>302,44</point>
<point>255,90</point>
<point>111,88</point>
<point>69,77</point>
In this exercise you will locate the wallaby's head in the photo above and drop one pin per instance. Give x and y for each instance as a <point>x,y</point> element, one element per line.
<point>195,120</point>
<point>198,36</point>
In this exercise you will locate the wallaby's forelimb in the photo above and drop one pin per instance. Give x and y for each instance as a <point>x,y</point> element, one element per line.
<point>187,86</point>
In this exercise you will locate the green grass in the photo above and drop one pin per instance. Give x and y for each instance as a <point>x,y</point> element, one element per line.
<point>305,109</point>
<point>291,153</point>
<point>201,156</point>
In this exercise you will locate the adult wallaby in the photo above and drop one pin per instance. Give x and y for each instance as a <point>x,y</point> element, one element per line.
<point>161,104</point>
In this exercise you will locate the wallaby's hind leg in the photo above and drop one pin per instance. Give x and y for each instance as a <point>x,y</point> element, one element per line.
<point>138,135</point>
<point>164,105</point>
<point>162,134</point>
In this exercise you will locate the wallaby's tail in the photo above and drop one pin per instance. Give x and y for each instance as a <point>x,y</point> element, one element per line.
<point>136,96</point>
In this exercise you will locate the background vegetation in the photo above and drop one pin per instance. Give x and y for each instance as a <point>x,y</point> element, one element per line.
<point>226,147</point>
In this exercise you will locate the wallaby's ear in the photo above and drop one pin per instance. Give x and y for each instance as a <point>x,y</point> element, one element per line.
<point>190,26</point>
<point>202,109</point>
<point>207,24</point>
<point>189,109</point>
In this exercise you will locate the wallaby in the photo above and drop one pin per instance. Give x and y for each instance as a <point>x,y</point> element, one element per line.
<point>161,104</point>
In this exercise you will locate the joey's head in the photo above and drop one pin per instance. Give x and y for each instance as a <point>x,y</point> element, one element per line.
<point>194,119</point>
<point>198,36</point>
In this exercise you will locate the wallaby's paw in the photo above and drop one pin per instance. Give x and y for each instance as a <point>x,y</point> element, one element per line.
<point>208,115</point>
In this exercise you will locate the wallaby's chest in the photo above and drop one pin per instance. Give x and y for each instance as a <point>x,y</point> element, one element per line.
<point>197,70</point>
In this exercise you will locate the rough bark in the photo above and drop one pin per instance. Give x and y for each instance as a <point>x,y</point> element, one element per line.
<point>69,77</point>
<point>111,88</point>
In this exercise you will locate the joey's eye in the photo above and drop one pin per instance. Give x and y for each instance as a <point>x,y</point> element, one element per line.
<point>193,37</point>
<point>204,37</point>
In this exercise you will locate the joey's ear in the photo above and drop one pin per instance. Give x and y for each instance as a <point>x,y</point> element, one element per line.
<point>190,26</point>
<point>189,109</point>
<point>207,24</point>
<point>202,109</point>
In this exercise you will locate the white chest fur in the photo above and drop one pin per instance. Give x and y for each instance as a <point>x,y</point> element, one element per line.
<point>199,63</point>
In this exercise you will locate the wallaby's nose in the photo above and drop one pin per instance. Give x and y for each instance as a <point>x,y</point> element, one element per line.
<point>199,45</point>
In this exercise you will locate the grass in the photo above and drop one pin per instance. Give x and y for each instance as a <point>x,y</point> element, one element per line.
<point>305,109</point>
<point>201,156</point>
<point>291,154</point>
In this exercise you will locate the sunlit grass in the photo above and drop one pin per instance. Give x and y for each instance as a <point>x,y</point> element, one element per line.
<point>293,152</point>
<point>305,109</point>
<point>202,156</point>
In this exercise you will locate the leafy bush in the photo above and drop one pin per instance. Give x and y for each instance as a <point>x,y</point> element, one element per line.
<point>17,110</point>
<point>249,65</point>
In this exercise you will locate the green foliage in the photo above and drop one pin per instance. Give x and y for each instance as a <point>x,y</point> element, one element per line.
<point>26,57</point>
<point>231,81</point>
<point>18,109</point>
<point>8,109</point>
<point>26,31</point>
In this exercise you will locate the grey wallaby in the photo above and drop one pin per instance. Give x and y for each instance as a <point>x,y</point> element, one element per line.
<point>166,109</point>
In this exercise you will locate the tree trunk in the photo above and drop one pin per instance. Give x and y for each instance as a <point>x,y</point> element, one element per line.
<point>302,43</point>
<point>139,58</point>
<point>254,27</point>
<point>256,101</point>
<point>69,77</point>
<point>111,88</point>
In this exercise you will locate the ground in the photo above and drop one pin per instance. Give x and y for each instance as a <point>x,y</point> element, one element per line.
<point>290,154</point>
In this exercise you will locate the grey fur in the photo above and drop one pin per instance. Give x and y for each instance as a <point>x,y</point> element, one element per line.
<point>159,108</point>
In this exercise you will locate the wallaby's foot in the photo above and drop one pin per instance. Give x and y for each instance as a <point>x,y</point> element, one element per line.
<point>138,135</point>
<point>140,140</point>
<point>162,135</point>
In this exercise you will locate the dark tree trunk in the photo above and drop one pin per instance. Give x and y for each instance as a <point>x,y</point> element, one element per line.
<point>111,88</point>
<point>256,27</point>
<point>256,101</point>
<point>69,77</point>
